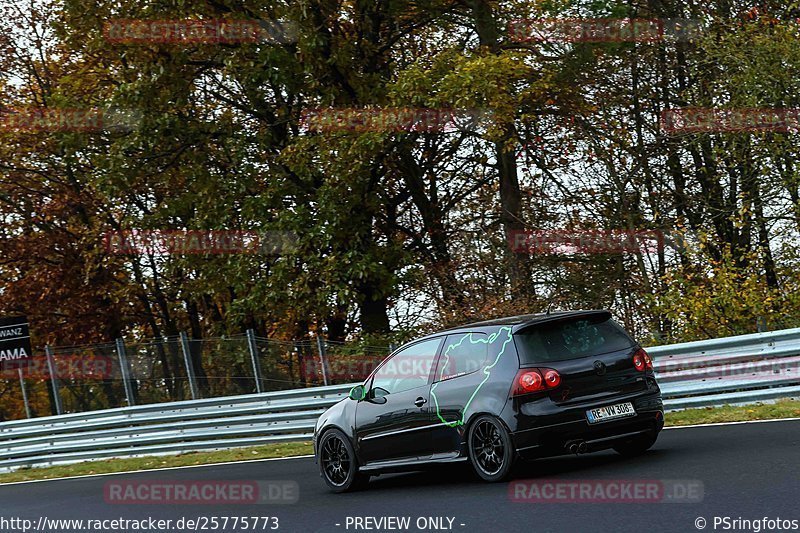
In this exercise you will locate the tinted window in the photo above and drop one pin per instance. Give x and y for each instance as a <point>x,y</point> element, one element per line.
<point>463,354</point>
<point>407,369</point>
<point>574,339</point>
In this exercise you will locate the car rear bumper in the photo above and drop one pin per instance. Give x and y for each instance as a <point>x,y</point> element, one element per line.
<point>556,427</point>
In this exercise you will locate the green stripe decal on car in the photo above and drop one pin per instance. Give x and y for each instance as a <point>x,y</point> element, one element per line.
<point>487,370</point>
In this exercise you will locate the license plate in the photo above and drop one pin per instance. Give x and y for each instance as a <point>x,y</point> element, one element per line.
<point>610,412</point>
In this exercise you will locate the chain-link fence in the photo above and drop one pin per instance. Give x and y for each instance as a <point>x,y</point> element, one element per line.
<point>72,379</point>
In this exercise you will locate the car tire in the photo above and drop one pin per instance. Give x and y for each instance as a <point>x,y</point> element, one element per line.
<point>338,464</point>
<point>490,449</point>
<point>636,446</point>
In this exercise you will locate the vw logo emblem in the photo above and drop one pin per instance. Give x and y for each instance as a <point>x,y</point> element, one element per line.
<point>600,368</point>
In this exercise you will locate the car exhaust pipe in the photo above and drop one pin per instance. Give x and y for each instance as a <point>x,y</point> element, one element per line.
<point>576,447</point>
<point>573,448</point>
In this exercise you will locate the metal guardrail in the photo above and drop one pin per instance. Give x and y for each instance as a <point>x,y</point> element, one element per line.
<point>731,370</point>
<point>213,423</point>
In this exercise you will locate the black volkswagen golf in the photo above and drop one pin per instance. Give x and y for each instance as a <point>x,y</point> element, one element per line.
<point>491,393</point>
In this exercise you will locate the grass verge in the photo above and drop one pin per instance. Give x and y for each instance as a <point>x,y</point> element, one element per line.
<point>729,413</point>
<point>105,466</point>
<point>706,415</point>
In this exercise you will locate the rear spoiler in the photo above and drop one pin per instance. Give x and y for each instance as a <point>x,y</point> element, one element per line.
<point>567,316</point>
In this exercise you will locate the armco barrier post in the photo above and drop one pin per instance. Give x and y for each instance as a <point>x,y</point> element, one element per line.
<point>301,367</point>
<point>126,372</point>
<point>321,349</point>
<point>24,393</point>
<point>187,359</point>
<point>51,368</point>
<point>253,347</point>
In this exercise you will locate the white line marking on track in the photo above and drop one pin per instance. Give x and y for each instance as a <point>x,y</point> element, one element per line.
<point>733,423</point>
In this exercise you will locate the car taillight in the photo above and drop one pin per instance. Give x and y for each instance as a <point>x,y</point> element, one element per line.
<point>552,379</point>
<point>529,381</point>
<point>647,361</point>
<point>536,380</point>
<point>642,361</point>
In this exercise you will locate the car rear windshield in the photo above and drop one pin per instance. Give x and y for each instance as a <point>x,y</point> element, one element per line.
<point>572,339</point>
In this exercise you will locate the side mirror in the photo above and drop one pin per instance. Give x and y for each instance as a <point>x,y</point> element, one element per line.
<point>358,393</point>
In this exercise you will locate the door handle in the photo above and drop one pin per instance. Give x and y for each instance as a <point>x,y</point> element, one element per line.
<point>420,401</point>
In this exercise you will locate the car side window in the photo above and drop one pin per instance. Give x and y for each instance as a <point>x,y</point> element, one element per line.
<point>463,354</point>
<point>407,369</point>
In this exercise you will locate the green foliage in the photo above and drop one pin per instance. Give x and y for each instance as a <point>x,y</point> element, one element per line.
<point>711,298</point>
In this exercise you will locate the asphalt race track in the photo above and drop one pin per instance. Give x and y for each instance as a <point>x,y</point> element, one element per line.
<point>748,471</point>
